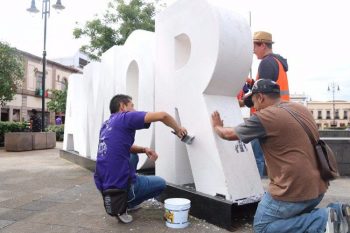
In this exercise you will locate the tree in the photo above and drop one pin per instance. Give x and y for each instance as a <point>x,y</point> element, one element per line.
<point>11,72</point>
<point>58,101</point>
<point>119,21</point>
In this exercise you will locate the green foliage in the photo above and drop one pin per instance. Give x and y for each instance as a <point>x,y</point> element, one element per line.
<point>58,129</point>
<point>6,127</point>
<point>11,72</point>
<point>58,101</point>
<point>119,21</point>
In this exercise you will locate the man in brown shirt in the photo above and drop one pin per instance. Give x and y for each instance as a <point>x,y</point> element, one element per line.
<point>296,186</point>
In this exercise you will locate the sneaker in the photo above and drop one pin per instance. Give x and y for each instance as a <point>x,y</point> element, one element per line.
<point>343,213</point>
<point>332,222</point>
<point>136,207</point>
<point>125,218</point>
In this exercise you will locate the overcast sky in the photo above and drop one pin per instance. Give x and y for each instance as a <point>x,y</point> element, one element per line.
<point>313,35</point>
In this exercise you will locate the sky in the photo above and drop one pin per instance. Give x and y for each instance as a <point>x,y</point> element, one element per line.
<point>312,35</point>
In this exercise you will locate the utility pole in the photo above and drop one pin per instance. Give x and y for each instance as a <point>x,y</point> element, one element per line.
<point>45,14</point>
<point>333,87</point>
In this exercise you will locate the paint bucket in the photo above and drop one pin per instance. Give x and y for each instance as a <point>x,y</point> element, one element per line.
<point>176,212</point>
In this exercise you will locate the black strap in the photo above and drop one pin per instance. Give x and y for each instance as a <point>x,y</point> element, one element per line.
<point>303,125</point>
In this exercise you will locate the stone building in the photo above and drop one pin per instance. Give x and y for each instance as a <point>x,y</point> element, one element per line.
<point>29,96</point>
<point>325,116</point>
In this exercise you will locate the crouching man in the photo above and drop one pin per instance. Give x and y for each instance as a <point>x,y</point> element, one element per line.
<point>296,186</point>
<point>115,170</point>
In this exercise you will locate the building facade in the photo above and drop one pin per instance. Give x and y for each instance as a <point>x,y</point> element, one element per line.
<point>78,60</point>
<point>301,98</point>
<point>29,96</point>
<point>325,117</point>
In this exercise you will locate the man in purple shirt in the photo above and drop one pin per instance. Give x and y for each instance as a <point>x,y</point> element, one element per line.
<point>114,169</point>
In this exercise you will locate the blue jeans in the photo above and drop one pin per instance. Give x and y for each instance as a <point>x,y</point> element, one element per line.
<point>259,156</point>
<point>145,187</point>
<point>294,217</point>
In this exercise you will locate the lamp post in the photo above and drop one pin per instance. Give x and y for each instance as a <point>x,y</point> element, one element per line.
<point>333,87</point>
<point>45,12</point>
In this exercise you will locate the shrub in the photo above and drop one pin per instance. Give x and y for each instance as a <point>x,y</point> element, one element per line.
<point>58,129</point>
<point>6,126</point>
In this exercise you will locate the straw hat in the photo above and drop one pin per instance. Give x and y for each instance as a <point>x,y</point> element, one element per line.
<point>263,37</point>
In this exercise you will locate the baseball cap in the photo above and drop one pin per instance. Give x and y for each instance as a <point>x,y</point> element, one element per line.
<point>265,86</point>
<point>260,86</point>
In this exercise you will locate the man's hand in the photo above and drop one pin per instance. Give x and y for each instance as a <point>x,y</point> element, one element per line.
<point>181,132</point>
<point>216,120</point>
<point>227,133</point>
<point>151,154</point>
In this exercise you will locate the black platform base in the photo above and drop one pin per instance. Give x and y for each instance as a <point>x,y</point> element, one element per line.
<point>214,210</point>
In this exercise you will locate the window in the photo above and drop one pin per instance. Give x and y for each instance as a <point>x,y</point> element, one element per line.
<point>82,62</point>
<point>4,114</point>
<point>39,78</point>
<point>16,115</point>
<point>319,115</point>
<point>328,115</point>
<point>345,115</point>
<point>336,114</point>
<point>64,83</point>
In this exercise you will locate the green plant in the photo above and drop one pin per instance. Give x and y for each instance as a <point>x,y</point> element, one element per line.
<point>119,20</point>
<point>6,127</point>
<point>58,129</point>
<point>11,72</point>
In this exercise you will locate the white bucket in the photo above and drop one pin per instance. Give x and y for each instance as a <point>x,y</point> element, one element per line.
<point>176,212</point>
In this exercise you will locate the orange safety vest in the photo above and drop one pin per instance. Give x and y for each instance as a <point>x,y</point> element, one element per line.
<point>282,81</point>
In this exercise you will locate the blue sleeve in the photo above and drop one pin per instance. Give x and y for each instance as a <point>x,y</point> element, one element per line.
<point>268,69</point>
<point>136,120</point>
<point>250,129</point>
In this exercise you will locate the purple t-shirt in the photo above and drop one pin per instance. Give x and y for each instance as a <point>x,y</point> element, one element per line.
<point>117,135</point>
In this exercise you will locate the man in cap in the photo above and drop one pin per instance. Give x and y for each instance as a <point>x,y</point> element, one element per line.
<point>274,67</point>
<point>296,186</point>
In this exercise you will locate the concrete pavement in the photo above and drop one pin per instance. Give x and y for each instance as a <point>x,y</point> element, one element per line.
<point>40,192</point>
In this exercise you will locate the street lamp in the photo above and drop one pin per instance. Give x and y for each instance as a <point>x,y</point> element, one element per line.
<point>45,12</point>
<point>333,87</point>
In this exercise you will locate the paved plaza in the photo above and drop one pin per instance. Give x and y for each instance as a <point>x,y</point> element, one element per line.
<point>41,192</point>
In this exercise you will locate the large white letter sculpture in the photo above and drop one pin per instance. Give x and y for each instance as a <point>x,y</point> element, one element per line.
<point>203,54</point>
<point>137,80</point>
<point>203,57</point>
<point>127,69</point>
<point>75,127</point>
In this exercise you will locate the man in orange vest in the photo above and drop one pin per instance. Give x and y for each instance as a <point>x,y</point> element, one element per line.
<point>273,67</point>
